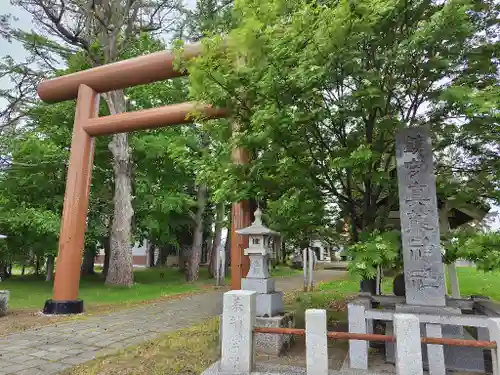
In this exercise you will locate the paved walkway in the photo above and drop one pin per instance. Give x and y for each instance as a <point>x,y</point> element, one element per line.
<point>51,349</point>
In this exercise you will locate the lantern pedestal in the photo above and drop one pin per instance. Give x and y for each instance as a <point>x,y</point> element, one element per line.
<point>270,344</point>
<point>269,304</point>
<point>259,285</point>
<point>270,313</point>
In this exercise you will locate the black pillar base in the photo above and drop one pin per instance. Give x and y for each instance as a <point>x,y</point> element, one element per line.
<point>63,307</point>
<point>368,286</point>
<point>398,285</point>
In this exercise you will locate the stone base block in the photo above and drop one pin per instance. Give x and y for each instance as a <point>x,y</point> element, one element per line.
<point>270,304</point>
<point>258,285</point>
<point>266,343</point>
<point>4,302</point>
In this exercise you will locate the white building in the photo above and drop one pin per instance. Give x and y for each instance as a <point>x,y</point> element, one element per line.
<point>139,255</point>
<point>322,250</point>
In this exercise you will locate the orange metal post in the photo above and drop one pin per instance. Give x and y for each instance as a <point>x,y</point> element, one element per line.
<point>76,201</point>
<point>241,218</point>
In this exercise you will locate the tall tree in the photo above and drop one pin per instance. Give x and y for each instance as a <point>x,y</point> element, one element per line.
<point>162,187</point>
<point>323,90</point>
<point>32,185</point>
<point>207,18</point>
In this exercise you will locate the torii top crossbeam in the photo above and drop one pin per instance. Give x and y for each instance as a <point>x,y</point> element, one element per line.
<point>140,70</point>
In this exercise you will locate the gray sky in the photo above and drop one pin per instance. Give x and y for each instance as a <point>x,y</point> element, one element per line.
<point>17,52</point>
<point>24,22</point>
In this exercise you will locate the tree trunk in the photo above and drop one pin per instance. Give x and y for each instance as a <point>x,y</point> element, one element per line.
<point>194,261</point>
<point>88,263</point>
<point>37,266</point>
<point>120,270</point>
<point>217,239</point>
<point>3,271</point>
<point>107,254</point>
<point>227,247</point>
<point>50,268</point>
<point>151,252</point>
<point>283,251</point>
<point>23,270</point>
<point>184,255</point>
<point>162,257</point>
<point>210,258</point>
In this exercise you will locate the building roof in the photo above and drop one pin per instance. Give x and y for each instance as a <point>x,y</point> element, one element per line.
<point>257,227</point>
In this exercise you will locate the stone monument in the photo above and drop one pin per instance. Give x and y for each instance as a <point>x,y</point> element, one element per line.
<point>424,276</point>
<point>423,266</point>
<point>4,302</point>
<point>269,302</point>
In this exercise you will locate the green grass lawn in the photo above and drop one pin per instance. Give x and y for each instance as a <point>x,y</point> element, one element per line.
<point>285,271</point>
<point>31,292</point>
<point>333,295</point>
<point>471,281</point>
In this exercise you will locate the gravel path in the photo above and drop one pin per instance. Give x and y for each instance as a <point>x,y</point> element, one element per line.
<point>51,349</point>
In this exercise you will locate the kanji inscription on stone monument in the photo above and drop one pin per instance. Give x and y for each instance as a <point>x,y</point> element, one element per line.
<point>423,267</point>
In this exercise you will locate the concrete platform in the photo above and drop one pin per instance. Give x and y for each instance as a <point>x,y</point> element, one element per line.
<point>274,369</point>
<point>378,365</point>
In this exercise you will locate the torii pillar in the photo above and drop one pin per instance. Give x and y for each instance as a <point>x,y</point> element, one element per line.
<point>241,218</point>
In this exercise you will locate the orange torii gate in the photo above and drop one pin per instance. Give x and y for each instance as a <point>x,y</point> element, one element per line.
<point>86,86</point>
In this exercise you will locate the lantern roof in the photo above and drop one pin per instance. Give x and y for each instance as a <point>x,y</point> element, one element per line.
<point>257,227</point>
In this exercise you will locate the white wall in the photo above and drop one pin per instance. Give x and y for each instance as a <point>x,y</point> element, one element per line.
<point>323,249</point>
<point>137,250</point>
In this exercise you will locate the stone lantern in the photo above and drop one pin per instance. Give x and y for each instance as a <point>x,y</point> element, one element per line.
<point>269,304</point>
<point>269,301</point>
